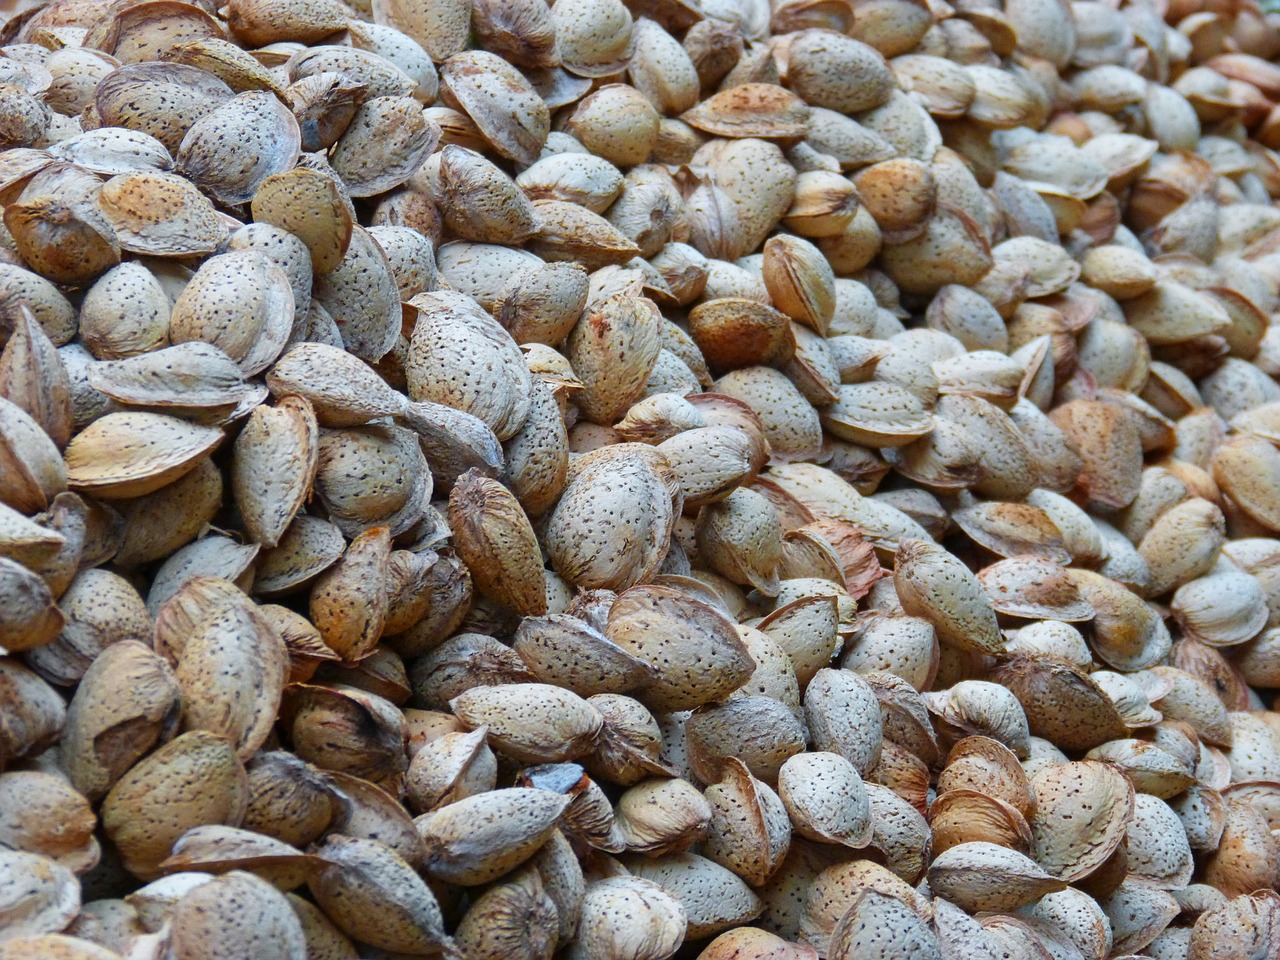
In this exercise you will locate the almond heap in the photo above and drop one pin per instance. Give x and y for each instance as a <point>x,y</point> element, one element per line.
<point>639,479</point>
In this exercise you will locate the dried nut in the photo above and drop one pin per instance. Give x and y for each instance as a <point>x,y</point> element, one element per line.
<point>698,655</point>
<point>376,897</point>
<point>713,898</point>
<point>478,839</point>
<point>933,585</point>
<point>825,799</point>
<point>656,925</point>
<point>749,829</point>
<point>191,781</point>
<point>983,876</point>
<point>533,722</point>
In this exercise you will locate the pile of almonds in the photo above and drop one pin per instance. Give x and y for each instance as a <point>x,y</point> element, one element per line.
<point>632,479</point>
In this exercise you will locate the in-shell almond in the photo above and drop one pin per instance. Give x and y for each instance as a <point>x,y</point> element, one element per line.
<point>349,602</point>
<point>133,454</point>
<point>193,780</point>
<point>478,839</point>
<point>273,466</point>
<point>611,528</point>
<point>375,896</point>
<point>983,876</point>
<point>695,649</point>
<point>494,538</point>
<point>533,722</point>
<point>933,584</point>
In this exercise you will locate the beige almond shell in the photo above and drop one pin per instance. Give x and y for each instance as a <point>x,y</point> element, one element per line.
<point>695,649</point>
<point>1099,801</point>
<point>612,525</point>
<point>274,465</point>
<point>978,875</point>
<point>376,897</point>
<point>713,898</point>
<point>749,829</point>
<point>478,839</point>
<point>933,585</point>
<point>132,454</point>
<point>195,779</point>
<point>494,538</point>
<point>532,722</point>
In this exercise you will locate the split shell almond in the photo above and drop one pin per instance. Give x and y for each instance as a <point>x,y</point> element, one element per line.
<point>33,377</point>
<point>193,780</point>
<point>844,717</point>
<point>627,916</point>
<point>449,768</point>
<point>40,896</point>
<point>696,650</point>
<point>877,414</point>
<point>1083,811</point>
<point>749,830</point>
<point>31,469</point>
<point>195,375</point>
<point>1062,704</point>
<point>612,526</point>
<point>878,926</point>
<point>499,100</point>
<point>161,214</point>
<point>1020,530</point>
<point>733,332</point>
<point>1035,589</point>
<point>758,731</point>
<point>220,849</point>
<point>231,667</point>
<point>987,766</point>
<point>751,110</point>
<point>532,722</point>
<point>983,876</point>
<point>570,653</point>
<point>461,357</point>
<point>478,839</point>
<point>135,453</point>
<point>660,816</point>
<point>347,730</point>
<point>837,888</point>
<point>963,816</point>
<point>349,601</point>
<point>343,389</point>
